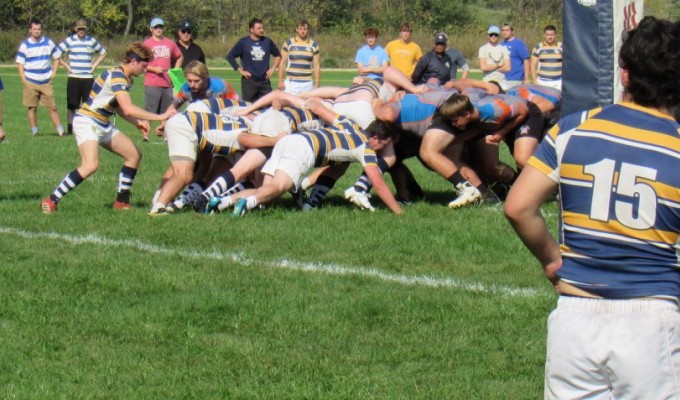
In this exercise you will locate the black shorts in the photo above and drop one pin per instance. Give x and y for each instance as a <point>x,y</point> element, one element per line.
<point>532,126</point>
<point>77,91</point>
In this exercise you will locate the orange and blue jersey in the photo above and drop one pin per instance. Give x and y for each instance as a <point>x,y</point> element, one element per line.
<point>617,169</point>
<point>497,109</point>
<point>416,111</point>
<point>217,88</point>
<point>530,91</point>
<point>341,142</point>
<point>101,104</point>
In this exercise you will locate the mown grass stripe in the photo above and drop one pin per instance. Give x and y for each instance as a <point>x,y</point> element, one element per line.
<point>242,259</point>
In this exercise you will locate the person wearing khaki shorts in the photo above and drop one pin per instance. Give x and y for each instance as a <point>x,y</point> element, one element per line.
<point>37,69</point>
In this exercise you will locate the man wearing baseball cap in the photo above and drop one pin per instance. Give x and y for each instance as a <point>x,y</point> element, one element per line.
<point>185,41</point>
<point>157,85</point>
<point>79,48</point>
<point>494,59</point>
<point>435,66</point>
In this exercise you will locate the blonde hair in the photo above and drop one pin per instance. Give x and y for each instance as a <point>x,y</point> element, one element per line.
<point>197,68</point>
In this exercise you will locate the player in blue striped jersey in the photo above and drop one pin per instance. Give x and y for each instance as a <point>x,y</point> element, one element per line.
<point>616,330</point>
<point>93,128</point>
<point>80,49</point>
<point>343,141</point>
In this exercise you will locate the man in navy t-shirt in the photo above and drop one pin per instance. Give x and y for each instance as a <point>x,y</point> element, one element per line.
<point>254,51</point>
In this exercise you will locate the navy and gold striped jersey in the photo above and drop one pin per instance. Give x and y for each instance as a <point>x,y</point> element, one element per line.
<point>101,104</point>
<point>299,117</point>
<point>372,86</point>
<point>203,122</point>
<point>617,169</point>
<point>300,58</point>
<point>341,142</point>
<point>218,104</point>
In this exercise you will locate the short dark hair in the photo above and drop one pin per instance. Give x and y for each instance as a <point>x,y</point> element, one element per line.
<point>372,32</point>
<point>303,22</point>
<point>380,130</point>
<point>651,55</point>
<point>406,26</point>
<point>254,21</point>
<point>550,28</point>
<point>34,21</point>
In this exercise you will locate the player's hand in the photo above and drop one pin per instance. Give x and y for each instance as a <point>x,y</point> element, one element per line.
<point>270,72</point>
<point>282,85</point>
<point>246,74</point>
<point>143,127</point>
<point>169,113</point>
<point>495,138</point>
<point>551,271</point>
<point>160,130</point>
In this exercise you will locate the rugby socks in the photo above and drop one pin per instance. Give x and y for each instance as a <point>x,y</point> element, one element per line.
<point>69,183</point>
<point>239,187</point>
<point>251,202</point>
<point>60,130</point>
<point>70,129</point>
<point>220,185</point>
<point>456,178</point>
<point>125,180</point>
<point>323,185</point>
<point>363,184</point>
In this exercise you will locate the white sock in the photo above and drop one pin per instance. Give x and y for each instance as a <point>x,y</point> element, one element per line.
<point>251,202</point>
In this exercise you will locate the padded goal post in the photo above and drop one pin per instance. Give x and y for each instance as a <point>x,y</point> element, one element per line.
<point>591,40</point>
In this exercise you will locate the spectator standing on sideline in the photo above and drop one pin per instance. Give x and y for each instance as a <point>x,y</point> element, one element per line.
<point>255,51</point>
<point>519,57</point>
<point>435,66</point>
<point>546,60</point>
<point>37,69</point>
<point>457,60</point>
<point>371,59</point>
<point>185,41</point>
<point>79,48</point>
<point>157,84</point>
<point>494,59</point>
<point>300,62</point>
<point>404,53</point>
<point>615,333</point>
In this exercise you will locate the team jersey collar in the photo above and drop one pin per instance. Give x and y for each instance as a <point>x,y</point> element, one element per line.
<point>648,110</point>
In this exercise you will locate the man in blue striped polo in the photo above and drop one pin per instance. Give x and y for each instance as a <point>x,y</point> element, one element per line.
<point>80,49</point>
<point>37,69</point>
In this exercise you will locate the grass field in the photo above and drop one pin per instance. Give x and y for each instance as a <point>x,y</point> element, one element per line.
<point>337,304</point>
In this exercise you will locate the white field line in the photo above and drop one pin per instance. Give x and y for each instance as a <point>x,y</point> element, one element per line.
<point>240,258</point>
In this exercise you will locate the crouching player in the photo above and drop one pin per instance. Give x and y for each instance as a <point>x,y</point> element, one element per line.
<point>93,128</point>
<point>187,133</point>
<point>295,155</point>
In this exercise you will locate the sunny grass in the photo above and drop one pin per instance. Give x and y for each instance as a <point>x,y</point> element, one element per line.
<point>94,321</point>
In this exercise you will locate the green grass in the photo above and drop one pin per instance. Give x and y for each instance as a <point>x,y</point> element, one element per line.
<point>335,304</point>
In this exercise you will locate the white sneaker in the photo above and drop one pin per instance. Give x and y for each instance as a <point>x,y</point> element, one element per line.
<point>360,199</point>
<point>467,195</point>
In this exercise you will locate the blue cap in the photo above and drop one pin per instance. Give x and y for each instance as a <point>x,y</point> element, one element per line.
<point>494,29</point>
<point>156,21</point>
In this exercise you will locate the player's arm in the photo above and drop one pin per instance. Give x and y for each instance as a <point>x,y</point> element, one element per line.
<point>525,63</point>
<point>487,66</point>
<point>318,109</point>
<point>55,67</point>
<point>128,110</point>
<point>98,61</point>
<point>534,67</point>
<point>505,64</point>
<point>380,187</point>
<point>282,70</point>
<point>253,140</point>
<point>270,71</point>
<point>316,65</point>
<point>523,210</point>
<point>326,92</point>
<point>522,113</point>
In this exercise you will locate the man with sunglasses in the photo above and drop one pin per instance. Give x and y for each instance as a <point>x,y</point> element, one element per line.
<point>157,84</point>
<point>80,49</point>
<point>185,41</point>
<point>494,59</point>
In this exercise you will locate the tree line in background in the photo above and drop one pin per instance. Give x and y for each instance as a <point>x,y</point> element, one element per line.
<point>113,18</point>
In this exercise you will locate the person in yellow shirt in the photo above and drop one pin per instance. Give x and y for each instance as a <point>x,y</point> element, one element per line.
<point>404,53</point>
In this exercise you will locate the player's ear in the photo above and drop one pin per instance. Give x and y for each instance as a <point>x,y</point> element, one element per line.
<point>625,79</point>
